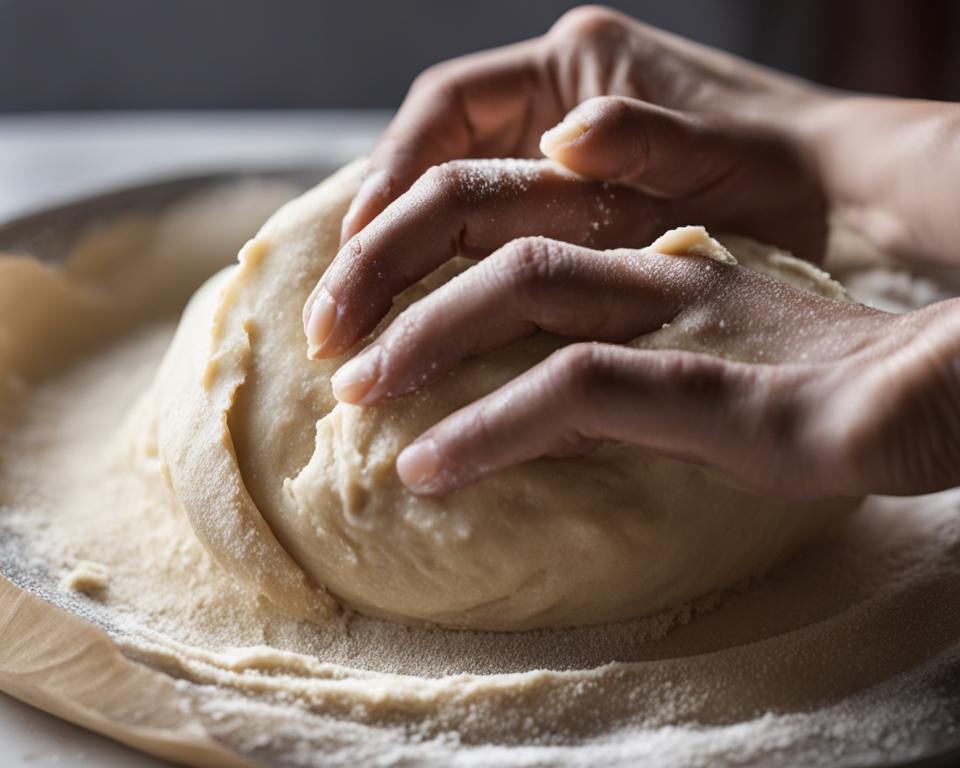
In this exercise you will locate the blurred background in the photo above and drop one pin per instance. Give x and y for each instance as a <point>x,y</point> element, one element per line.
<point>94,92</point>
<point>253,54</point>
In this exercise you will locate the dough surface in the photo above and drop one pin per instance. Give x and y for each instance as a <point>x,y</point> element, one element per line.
<point>298,495</point>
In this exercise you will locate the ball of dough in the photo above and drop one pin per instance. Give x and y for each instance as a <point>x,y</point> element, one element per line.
<point>298,495</point>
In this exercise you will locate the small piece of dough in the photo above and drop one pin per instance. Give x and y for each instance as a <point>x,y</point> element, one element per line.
<point>691,240</point>
<point>88,578</point>
<point>299,496</point>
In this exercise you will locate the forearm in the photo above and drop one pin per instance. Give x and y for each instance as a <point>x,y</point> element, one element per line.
<point>893,167</point>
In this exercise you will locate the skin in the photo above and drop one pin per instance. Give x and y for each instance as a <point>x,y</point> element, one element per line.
<point>646,131</point>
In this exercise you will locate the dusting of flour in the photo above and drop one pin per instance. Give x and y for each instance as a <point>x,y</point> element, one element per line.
<point>842,655</point>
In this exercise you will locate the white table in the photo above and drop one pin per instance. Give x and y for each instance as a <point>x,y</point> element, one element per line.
<point>46,159</point>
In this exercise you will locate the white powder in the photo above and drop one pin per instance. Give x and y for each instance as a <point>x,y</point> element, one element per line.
<point>480,180</point>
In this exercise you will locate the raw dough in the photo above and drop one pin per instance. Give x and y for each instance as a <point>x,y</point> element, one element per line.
<point>845,654</point>
<point>298,495</point>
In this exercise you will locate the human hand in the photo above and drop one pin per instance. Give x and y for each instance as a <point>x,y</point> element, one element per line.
<point>726,181</point>
<point>850,401</point>
<point>687,134</point>
<point>498,103</point>
<point>710,154</point>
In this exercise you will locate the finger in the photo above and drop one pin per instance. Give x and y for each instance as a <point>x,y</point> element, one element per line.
<point>530,284</point>
<point>627,141</point>
<point>691,406</point>
<point>467,208</point>
<point>474,106</point>
<point>743,179</point>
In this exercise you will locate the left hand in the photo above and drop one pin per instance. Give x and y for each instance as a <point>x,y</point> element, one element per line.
<point>853,401</point>
<point>679,171</point>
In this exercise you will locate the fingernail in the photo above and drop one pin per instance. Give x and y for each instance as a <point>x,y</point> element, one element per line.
<point>323,313</point>
<point>355,378</point>
<point>418,465</point>
<point>568,130</point>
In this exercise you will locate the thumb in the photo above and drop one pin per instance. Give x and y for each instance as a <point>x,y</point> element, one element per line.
<point>626,141</point>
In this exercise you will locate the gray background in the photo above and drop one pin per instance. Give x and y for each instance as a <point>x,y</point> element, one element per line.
<point>251,54</point>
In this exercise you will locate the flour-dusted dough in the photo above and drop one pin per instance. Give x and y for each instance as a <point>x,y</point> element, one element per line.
<point>299,496</point>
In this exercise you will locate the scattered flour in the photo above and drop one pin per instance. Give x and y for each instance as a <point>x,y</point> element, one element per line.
<point>848,653</point>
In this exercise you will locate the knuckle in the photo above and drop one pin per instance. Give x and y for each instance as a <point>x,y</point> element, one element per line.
<point>573,376</point>
<point>616,116</point>
<point>522,261</point>
<point>530,263</point>
<point>617,110</point>
<point>590,23</point>
<point>444,180</point>
<point>436,176</point>
<point>725,394</point>
<point>577,368</point>
<point>432,78</point>
<point>582,379</point>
